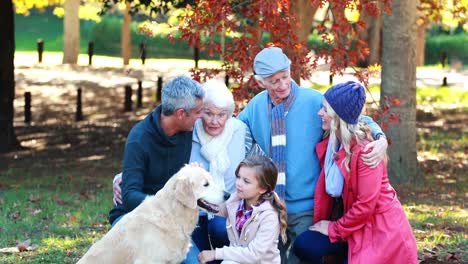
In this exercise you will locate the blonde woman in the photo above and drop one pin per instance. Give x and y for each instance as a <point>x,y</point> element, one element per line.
<point>374,227</point>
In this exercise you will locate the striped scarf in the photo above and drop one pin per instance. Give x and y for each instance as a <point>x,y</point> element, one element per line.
<point>277,115</point>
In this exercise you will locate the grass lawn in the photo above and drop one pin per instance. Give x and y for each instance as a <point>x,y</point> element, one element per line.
<point>57,191</point>
<point>62,213</point>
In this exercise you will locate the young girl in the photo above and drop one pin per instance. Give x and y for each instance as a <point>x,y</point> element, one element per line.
<point>374,224</point>
<point>255,216</point>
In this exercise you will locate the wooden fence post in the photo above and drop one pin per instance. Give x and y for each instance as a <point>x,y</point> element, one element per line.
<point>444,82</point>
<point>196,56</point>
<point>143,53</point>
<point>40,49</point>
<point>79,111</point>
<point>139,95</point>
<point>27,107</point>
<point>159,89</point>
<point>128,98</point>
<point>90,52</point>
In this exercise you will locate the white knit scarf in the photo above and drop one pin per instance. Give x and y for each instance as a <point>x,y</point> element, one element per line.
<point>214,149</point>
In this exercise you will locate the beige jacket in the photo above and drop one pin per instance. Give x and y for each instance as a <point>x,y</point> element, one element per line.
<point>258,242</point>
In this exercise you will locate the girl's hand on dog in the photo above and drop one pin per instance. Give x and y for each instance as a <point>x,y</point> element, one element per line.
<point>206,256</point>
<point>117,191</point>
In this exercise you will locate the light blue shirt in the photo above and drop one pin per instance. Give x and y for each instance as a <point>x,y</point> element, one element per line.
<point>303,132</point>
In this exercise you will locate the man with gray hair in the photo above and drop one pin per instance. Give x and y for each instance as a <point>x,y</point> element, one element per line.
<point>159,145</point>
<point>283,121</point>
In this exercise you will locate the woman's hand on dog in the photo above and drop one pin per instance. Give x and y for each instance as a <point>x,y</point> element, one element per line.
<point>206,256</point>
<point>117,191</point>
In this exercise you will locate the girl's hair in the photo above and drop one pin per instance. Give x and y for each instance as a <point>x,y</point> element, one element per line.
<point>267,174</point>
<point>360,131</point>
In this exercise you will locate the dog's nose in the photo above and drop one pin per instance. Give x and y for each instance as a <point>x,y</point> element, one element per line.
<point>226,195</point>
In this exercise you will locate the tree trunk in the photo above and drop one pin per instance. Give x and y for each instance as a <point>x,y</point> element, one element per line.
<point>71,31</point>
<point>399,80</point>
<point>375,41</point>
<point>126,37</point>
<point>8,139</point>
<point>304,13</point>
<point>373,35</point>
<point>420,45</point>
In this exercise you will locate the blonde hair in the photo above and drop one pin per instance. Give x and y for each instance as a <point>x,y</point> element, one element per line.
<point>347,132</point>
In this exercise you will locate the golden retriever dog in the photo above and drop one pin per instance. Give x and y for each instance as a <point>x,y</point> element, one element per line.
<point>159,229</point>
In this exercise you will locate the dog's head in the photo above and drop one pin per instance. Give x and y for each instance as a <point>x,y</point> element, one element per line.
<point>195,187</point>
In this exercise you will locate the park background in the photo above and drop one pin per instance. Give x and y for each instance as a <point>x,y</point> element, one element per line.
<point>55,192</point>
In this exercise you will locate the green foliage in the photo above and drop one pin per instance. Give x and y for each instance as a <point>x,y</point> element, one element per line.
<point>107,34</point>
<point>454,45</point>
<point>49,28</point>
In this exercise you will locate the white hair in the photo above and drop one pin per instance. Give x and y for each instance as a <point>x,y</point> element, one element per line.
<point>259,78</point>
<point>217,93</point>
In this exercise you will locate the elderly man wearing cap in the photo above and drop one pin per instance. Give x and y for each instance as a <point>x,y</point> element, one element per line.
<point>284,123</point>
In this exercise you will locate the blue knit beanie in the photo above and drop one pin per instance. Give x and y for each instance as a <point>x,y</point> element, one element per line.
<point>270,61</point>
<point>347,100</point>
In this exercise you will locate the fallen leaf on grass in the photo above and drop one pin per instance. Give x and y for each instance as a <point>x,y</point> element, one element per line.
<point>20,247</point>
<point>26,246</point>
<point>426,250</point>
<point>451,257</point>
<point>73,219</point>
<point>439,245</point>
<point>34,199</point>
<point>15,215</point>
<point>33,211</point>
<point>419,231</point>
<point>58,200</point>
<point>429,225</point>
<point>23,246</point>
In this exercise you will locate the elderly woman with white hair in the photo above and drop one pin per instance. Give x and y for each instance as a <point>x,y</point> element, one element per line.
<point>219,143</point>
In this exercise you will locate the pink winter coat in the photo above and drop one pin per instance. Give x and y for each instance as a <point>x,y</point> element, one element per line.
<point>374,223</point>
<point>258,242</point>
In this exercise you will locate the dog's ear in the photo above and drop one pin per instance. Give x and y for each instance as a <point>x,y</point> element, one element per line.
<point>184,192</point>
